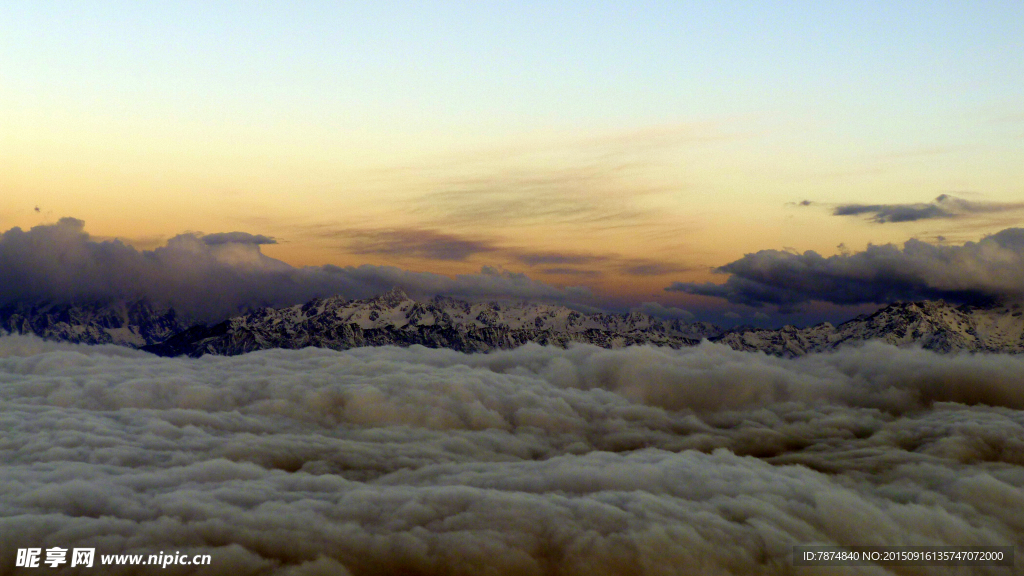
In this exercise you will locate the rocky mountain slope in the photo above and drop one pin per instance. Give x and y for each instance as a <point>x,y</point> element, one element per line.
<point>133,324</point>
<point>395,319</point>
<point>933,325</point>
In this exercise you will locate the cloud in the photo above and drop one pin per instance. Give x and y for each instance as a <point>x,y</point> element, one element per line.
<point>661,311</point>
<point>649,268</point>
<point>588,196</point>
<point>416,243</point>
<point>991,269</point>
<point>413,242</point>
<point>548,257</point>
<point>944,206</point>
<point>531,461</point>
<point>613,262</point>
<point>236,238</point>
<point>894,212</point>
<point>571,272</point>
<point>594,182</point>
<point>207,277</point>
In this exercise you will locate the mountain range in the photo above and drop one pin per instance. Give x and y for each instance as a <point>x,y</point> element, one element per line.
<point>933,325</point>
<point>133,324</point>
<point>393,318</point>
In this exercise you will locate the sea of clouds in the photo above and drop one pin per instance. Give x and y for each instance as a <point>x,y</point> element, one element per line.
<point>532,461</point>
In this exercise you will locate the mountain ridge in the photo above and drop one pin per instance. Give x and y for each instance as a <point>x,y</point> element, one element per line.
<point>393,318</point>
<point>932,324</point>
<point>134,323</point>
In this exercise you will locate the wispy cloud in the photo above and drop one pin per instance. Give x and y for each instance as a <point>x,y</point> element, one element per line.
<point>549,257</point>
<point>591,196</point>
<point>572,272</point>
<point>415,243</point>
<point>944,206</point>
<point>885,213</point>
<point>432,244</point>
<point>599,182</point>
<point>636,267</point>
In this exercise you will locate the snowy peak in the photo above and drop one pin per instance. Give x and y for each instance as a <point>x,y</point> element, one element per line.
<point>393,298</point>
<point>933,325</point>
<point>133,324</point>
<point>393,318</point>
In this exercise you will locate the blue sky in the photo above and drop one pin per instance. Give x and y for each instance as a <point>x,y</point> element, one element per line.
<point>519,64</point>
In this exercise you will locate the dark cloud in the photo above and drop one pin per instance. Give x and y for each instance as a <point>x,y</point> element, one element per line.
<point>883,213</point>
<point>547,258</point>
<point>666,312</point>
<point>628,266</point>
<point>991,269</point>
<point>944,206</point>
<point>571,272</point>
<point>416,243</point>
<point>432,244</point>
<point>531,461</point>
<point>209,277</point>
<point>648,268</point>
<point>236,238</point>
<point>435,245</point>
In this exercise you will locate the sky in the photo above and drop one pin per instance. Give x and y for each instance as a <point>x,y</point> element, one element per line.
<point>649,152</point>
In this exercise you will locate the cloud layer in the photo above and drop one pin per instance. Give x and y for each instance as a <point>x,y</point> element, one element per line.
<point>532,461</point>
<point>207,277</point>
<point>991,269</point>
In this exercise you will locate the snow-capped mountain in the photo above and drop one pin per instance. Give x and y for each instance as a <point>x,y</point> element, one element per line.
<point>934,325</point>
<point>395,319</point>
<point>133,324</point>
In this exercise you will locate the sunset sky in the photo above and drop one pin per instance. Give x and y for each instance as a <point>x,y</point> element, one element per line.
<point>627,149</point>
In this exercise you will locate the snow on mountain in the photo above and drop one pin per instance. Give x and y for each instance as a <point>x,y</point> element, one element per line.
<point>395,319</point>
<point>934,325</point>
<point>133,324</point>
